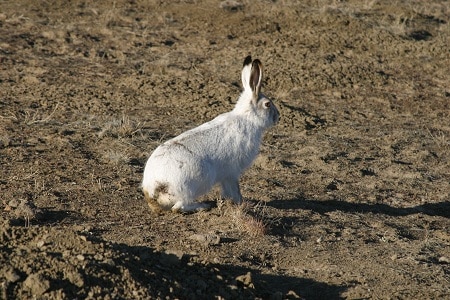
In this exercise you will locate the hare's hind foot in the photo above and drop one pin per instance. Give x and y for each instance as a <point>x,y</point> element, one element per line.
<point>182,207</point>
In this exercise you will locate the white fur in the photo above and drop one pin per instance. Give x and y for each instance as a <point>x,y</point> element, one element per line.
<point>216,152</point>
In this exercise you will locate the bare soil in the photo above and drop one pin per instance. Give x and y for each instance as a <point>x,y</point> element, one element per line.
<point>350,197</point>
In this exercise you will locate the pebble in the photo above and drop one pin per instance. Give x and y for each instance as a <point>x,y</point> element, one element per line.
<point>444,260</point>
<point>11,275</point>
<point>109,262</point>
<point>171,257</point>
<point>292,295</point>
<point>80,257</point>
<point>246,279</point>
<point>207,239</point>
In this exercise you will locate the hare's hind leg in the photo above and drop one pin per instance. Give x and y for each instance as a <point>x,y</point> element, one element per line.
<point>182,206</point>
<point>231,190</point>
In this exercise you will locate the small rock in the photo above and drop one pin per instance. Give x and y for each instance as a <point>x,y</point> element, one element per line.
<point>231,5</point>
<point>75,278</point>
<point>207,239</point>
<point>171,257</point>
<point>14,203</point>
<point>80,257</point>
<point>11,275</point>
<point>444,260</point>
<point>98,257</point>
<point>37,284</point>
<point>4,141</point>
<point>246,280</point>
<point>292,295</point>
<point>109,262</point>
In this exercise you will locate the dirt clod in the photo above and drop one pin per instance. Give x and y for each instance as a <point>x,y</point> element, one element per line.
<point>37,284</point>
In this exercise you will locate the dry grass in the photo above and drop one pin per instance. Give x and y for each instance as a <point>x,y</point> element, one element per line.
<point>399,21</point>
<point>116,157</point>
<point>120,128</point>
<point>249,218</point>
<point>36,117</point>
<point>440,138</point>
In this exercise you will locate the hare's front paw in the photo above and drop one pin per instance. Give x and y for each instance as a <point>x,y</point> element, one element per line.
<point>191,207</point>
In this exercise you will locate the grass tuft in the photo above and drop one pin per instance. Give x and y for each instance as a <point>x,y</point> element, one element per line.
<point>249,218</point>
<point>120,128</point>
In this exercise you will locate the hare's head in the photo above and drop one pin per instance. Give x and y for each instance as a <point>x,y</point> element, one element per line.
<point>252,102</point>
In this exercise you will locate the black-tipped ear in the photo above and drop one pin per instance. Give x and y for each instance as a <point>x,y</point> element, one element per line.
<point>248,60</point>
<point>256,76</point>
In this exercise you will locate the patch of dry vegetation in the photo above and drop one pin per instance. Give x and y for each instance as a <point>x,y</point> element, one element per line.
<point>120,128</point>
<point>250,218</point>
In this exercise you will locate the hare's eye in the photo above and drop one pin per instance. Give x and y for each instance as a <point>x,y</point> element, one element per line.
<point>267,104</point>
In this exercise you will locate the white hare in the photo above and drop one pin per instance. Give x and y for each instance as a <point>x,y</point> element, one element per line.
<point>217,152</point>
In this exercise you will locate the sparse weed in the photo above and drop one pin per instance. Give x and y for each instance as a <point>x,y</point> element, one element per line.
<point>120,128</point>
<point>253,219</point>
<point>116,157</point>
<point>36,117</point>
<point>9,116</point>
<point>440,138</point>
<point>100,185</point>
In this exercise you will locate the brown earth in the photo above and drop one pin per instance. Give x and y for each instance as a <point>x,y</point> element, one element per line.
<point>350,197</point>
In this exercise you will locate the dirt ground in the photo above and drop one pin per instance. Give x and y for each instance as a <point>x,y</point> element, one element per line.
<point>349,198</point>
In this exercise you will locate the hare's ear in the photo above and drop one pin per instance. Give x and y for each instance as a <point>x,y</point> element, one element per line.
<point>256,77</point>
<point>246,73</point>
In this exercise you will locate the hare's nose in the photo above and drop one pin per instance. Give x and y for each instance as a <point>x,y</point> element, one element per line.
<point>276,117</point>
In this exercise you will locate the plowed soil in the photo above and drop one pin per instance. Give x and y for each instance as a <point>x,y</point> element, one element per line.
<point>349,198</point>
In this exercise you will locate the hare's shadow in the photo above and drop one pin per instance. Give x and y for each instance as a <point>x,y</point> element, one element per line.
<point>441,209</point>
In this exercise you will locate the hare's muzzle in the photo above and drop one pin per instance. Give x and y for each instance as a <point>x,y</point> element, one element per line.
<point>276,115</point>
